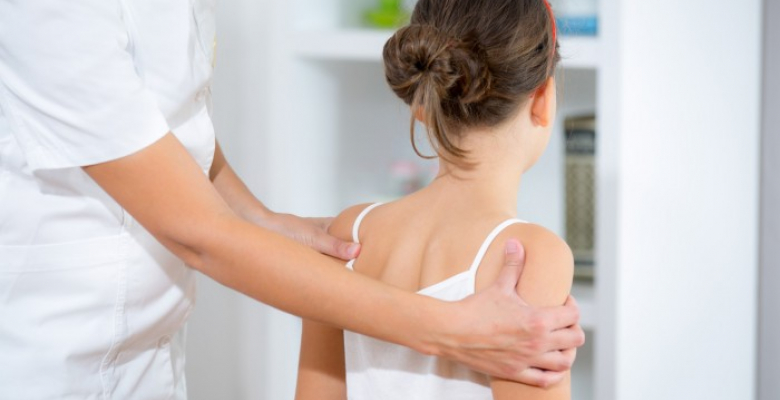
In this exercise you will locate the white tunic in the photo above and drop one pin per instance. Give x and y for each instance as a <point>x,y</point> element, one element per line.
<point>378,370</point>
<point>91,305</point>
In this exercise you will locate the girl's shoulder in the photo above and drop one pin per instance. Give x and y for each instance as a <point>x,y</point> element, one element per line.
<point>549,265</point>
<point>341,226</point>
<point>539,243</point>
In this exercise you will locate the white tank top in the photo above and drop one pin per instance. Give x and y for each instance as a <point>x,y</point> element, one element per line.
<point>378,370</point>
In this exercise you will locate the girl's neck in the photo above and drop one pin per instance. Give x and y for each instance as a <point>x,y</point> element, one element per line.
<point>492,183</point>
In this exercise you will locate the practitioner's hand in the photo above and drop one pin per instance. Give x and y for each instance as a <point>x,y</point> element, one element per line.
<point>505,337</point>
<point>312,232</point>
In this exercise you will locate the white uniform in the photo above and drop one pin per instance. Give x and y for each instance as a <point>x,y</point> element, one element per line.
<point>92,306</point>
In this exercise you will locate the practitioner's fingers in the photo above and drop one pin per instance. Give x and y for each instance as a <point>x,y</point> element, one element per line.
<point>561,317</point>
<point>555,361</point>
<point>321,222</point>
<point>332,246</point>
<point>549,369</point>
<point>568,338</point>
<point>540,378</point>
<point>313,232</point>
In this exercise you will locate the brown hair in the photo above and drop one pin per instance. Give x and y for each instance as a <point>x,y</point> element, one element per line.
<point>469,63</point>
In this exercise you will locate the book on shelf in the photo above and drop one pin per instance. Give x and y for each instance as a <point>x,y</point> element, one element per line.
<point>580,181</point>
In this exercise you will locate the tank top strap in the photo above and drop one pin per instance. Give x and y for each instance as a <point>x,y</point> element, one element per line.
<point>359,219</point>
<point>489,240</point>
<point>356,228</point>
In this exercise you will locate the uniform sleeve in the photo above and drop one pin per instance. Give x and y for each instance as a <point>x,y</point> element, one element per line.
<point>69,86</point>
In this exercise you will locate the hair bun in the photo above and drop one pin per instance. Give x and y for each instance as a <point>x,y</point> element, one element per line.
<point>453,67</point>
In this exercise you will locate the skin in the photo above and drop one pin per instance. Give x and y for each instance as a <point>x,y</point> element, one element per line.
<point>441,227</point>
<point>219,228</point>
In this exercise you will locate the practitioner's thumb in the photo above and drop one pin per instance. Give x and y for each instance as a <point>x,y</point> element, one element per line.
<point>514,260</point>
<point>334,247</point>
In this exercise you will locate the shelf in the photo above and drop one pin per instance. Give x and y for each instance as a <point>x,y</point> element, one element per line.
<point>366,45</point>
<point>343,44</point>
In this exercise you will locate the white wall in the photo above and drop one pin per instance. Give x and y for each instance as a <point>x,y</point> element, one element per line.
<point>769,325</point>
<point>228,338</point>
<point>678,298</point>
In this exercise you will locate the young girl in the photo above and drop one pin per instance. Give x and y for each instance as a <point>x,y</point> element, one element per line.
<point>479,75</point>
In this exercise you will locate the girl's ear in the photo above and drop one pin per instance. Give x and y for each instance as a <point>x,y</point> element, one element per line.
<point>543,104</point>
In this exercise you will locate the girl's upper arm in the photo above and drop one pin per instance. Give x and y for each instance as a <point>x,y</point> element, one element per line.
<point>321,368</point>
<point>546,281</point>
<point>321,371</point>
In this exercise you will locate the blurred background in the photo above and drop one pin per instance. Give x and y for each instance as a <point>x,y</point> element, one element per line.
<point>662,174</point>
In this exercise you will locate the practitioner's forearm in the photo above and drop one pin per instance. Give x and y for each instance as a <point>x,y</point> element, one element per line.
<point>163,188</point>
<point>296,279</point>
<point>310,231</point>
<point>234,191</point>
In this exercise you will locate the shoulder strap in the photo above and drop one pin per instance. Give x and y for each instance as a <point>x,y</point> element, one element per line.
<point>359,219</point>
<point>356,229</point>
<point>489,240</point>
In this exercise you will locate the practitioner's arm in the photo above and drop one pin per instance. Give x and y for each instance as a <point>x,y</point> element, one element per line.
<point>546,281</point>
<point>309,231</point>
<point>165,190</point>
